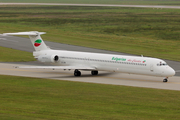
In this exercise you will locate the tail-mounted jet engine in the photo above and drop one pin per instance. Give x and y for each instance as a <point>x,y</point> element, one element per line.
<point>48,58</point>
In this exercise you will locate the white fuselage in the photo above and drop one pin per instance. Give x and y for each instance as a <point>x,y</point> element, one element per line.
<point>109,62</point>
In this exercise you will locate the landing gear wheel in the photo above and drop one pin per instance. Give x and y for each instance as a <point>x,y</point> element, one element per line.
<point>165,80</point>
<point>77,73</point>
<point>94,72</point>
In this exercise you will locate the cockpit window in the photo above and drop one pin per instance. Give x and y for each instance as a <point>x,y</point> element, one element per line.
<point>161,64</point>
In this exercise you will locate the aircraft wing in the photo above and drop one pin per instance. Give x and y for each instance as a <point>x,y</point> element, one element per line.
<point>59,67</point>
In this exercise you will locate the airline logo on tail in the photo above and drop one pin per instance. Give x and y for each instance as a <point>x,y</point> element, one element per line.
<point>37,42</point>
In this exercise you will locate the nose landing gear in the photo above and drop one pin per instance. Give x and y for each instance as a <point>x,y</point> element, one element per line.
<point>165,79</point>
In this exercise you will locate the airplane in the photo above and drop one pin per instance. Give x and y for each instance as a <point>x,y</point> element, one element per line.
<point>94,62</point>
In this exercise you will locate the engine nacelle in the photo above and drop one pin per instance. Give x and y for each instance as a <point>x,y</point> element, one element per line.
<point>48,58</point>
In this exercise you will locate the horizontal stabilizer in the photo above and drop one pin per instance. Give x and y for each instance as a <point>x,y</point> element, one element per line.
<point>35,38</point>
<point>59,67</point>
<point>26,33</point>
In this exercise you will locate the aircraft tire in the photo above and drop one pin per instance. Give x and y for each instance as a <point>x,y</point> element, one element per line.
<point>94,72</point>
<point>165,80</point>
<point>77,73</point>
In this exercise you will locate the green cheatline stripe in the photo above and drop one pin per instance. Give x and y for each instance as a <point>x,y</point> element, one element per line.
<point>38,41</point>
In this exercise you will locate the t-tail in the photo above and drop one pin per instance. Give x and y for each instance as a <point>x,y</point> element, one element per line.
<point>35,38</point>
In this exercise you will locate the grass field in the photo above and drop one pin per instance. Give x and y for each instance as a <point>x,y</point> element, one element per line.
<point>134,2</point>
<point>11,55</point>
<point>151,32</point>
<point>32,98</point>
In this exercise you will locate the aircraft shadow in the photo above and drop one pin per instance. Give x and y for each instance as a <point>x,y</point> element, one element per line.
<point>84,75</point>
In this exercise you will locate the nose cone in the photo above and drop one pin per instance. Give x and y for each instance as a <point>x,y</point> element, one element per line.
<point>170,72</point>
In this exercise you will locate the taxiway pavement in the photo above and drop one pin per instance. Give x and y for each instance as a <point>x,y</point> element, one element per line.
<point>102,78</point>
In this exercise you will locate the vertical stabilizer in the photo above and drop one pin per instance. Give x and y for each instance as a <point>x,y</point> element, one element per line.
<point>35,38</point>
<point>38,42</point>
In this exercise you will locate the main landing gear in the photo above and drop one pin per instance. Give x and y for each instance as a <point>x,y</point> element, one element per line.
<point>165,79</point>
<point>94,72</point>
<point>78,73</point>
